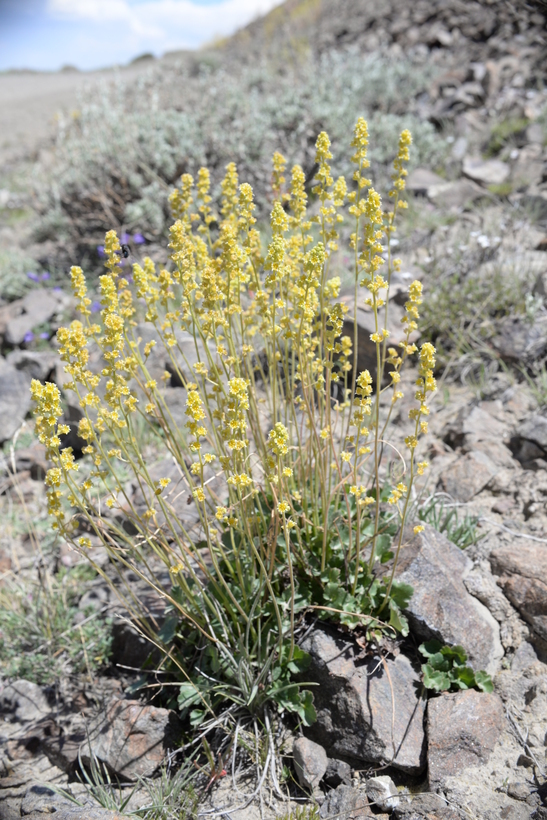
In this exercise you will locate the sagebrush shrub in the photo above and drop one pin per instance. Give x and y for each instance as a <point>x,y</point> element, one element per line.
<point>281,450</point>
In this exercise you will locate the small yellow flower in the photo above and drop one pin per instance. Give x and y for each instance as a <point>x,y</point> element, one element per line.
<point>419,528</point>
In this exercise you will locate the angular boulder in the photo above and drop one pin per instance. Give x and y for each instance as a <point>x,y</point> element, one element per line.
<point>14,401</point>
<point>441,606</point>
<point>367,709</point>
<point>468,475</point>
<point>131,739</point>
<point>462,730</point>
<point>522,572</point>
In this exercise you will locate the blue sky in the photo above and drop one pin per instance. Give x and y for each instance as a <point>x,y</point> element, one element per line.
<point>47,34</point>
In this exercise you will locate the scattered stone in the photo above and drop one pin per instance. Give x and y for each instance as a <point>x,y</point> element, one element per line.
<point>382,793</point>
<point>441,606</point>
<point>34,309</point>
<point>130,738</point>
<point>14,401</point>
<point>468,475</point>
<point>356,704</point>
<point>310,762</point>
<point>338,772</point>
<point>426,806</point>
<point>486,171</point>
<point>42,799</point>
<point>518,790</point>
<point>462,730</point>
<point>420,180</point>
<point>518,341</point>
<point>346,803</point>
<point>455,195</point>
<point>24,701</point>
<point>523,574</point>
<point>36,364</point>
<point>530,439</point>
<point>31,460</point>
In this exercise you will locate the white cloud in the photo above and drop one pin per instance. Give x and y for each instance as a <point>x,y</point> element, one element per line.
<point>164,24</point>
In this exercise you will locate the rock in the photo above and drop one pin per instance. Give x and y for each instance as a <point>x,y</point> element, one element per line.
<point>382,793</point>
<point>14,401</point>
<point>356,704</point>
<point>42,799</point>
<point>36,364</point>
<point>536,204</point>
<point>338,773</point>
<point>518,342</point>
<point>527,172</point>
<point>24,700</point>
<point>441,606</point>
<point>468,475</point>
<point>346,803</point>
<point>462,730</point>
<point>530,439</point>
<point>310,762</point>
<point>486,171</point>
<point>426,806</point>
<point>30,459</point>
<point>131,739</point>
<point>35,308</point>
<point>518,790</point>
<point>420,180</point>
<point>454,195</point>
<point>523,574</point>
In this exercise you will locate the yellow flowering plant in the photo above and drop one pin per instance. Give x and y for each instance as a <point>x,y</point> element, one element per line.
<point>281,450</point>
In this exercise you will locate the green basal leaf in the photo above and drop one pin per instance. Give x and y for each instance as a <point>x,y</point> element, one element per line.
<point>300,661</point>
<point>189,694</point>
<point>455,653</point>
<point>307,710</point>
<point>197,717</point>
<point>401,594</point>
<point>438,661</point>
<point>430,648</point>
<point>168,629</point>
<point>433,679</point>
<point>464,677</point>
<point>397,620</point>
<point>484,681</point>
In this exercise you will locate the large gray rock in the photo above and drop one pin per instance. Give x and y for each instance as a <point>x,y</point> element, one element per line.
<point>365,710</point>
<point>34,309</point>
<point>462,730</point>
<point>37,364</point>
<point>530,439</point>
<point>14,401</point>
<point>523,578</point>
<point>486,171</point>
<point>420,180</point>
<point>73,812</point>
<point>468,475</point>
<point>518,341</point>
<point>441,606</point>
<point>130,738</point>
<point>24,701</point>
<point>455,195</point>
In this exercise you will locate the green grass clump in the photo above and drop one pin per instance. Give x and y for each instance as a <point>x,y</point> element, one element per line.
<point>39,639</point>
<point>504,132</point>
<point>446,519</point>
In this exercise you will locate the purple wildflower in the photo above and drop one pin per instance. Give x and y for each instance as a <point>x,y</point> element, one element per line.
<point>138,239</point>
<point>95,307</point>
<point>29,336</point>
<point>44,335</point>
<point>124,238</point>
<point>100,250</point>
<point>33,276</point>
<point>45,276</point>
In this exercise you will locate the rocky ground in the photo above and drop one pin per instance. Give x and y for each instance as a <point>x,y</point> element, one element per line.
<point>476,234</point>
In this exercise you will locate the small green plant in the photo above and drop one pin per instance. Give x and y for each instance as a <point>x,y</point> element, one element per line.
<point>39,640</point>
<point>445,669</point>
<point>537,382</point>
<point>446,519</point>
<point>282,449</point>
<point>504,132</point>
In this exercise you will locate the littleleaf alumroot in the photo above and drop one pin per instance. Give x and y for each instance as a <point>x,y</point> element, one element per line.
<point>281,449</point>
